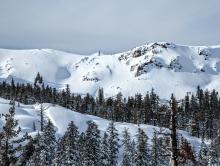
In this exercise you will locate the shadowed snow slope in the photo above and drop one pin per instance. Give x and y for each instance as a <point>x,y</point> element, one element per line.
<point>166,67</point>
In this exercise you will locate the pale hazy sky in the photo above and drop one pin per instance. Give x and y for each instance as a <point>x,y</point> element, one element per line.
<point>86,26</point>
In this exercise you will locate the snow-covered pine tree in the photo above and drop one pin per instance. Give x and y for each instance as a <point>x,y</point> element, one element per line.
<point>112,141</point>
<point>99,103</point>
<point>60,153</point>
<point>9,144</point>
<point>38,79</point>
<point>71,153</point>
<point>142,156</point>
<point>101,97</point>
<point>27,152</point>
<point>164,154</point>
<point>203,154</point>
<point>81,143</point>
<point>12,90</point>
<point>67,102</point>
<point>35,159</point>
<point>214,150</point>
<point>173,134</point>
<point>92,153</point>
<point>48,145</point>
<point>213,155</point>
<point>42,117</point>
<point>214,106</point>
<point>139,110</point>
<point>194,126</point>
<point>128,110</point>
<point>155,150</point>
<point>38,88</point>
<point>118,107</point>
<point>104,150</point>
<point>133,147</point>
<point>147,108</point>
<point>154,106</point>
<point>187,113</point>
<point>159,155</point>
<point>217,142</point>
<point>127,149</point>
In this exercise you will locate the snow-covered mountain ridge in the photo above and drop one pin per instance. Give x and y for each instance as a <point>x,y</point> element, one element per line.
<point>166,67</point>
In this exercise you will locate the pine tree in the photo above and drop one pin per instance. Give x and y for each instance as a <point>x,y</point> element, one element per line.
<point>173,134</point>
<point>186,116</point>
<point>164,155</point>
<point>127,151</point>
<point>133,152</point>
<point>27,152</point>
<point>81,143</point>
<point>42,117</point>
<point>194,122</point>
<point>48,145</point>
<point>35,159</point>
<point>8,139</point>
<point>147,108</point>
<point>92,154</point>
<point>203,154</point>
<point>142,156</point>
<point>100,101</point>
<point>159,155</point>
<point>59,159</point>
<point>214,113</point>
<point>186,155</point>
<point>71,137</point>
<point>217,141</point>
<point>38,79</point>
<point>155,150</point>
<point>118,108</point>
<point>34,126</point>
<point>12,90</point>
<point>138,108</point>
<point>214,150</point>
<point>213,155</point>
<point>38,88</point>
<point>104,150</point>
<point>112,141</point>
<point>154,106</point>
<point>67,101</point>
<point>128,110</point>
<point>100,98</point>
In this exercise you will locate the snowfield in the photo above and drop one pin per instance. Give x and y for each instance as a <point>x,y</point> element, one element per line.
<point>60,117</point>
<point>166,67</point>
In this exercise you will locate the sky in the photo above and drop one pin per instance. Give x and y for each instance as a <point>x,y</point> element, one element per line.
<point>87,26</point>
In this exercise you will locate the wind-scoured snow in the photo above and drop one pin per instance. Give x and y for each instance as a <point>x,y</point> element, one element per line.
<point>166,67</point>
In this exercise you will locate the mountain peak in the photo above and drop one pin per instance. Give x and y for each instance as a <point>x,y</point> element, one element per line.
<point>166,67</point>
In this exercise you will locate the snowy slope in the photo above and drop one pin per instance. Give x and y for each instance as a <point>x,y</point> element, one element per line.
<point>166,67</point>
<point>60,117</point>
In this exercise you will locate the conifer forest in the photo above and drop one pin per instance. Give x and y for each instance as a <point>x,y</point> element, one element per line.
<point>197,114</point>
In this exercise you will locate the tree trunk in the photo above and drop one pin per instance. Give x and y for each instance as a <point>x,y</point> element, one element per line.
<point>173,134</point>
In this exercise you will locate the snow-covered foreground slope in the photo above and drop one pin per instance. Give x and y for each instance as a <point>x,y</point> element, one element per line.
<point>60,117</point>
<point>165,67</point>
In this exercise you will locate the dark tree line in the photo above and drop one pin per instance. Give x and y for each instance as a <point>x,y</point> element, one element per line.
<point>197,113</point>
<point>92,147</point>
